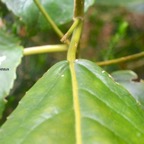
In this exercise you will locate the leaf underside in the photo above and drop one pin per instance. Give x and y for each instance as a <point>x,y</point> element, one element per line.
<point>130,81</point>
<point>133,5</point>
<point>61,11</point>
<point>10,57</point>
<point>108,113</point>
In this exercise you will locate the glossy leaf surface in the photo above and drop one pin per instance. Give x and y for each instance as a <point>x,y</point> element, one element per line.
<point>46,114</point>
<point>10,57</point>
<point>61,11</point>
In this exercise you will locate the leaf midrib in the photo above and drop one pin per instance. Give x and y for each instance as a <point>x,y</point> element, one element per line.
<point>76,104</point>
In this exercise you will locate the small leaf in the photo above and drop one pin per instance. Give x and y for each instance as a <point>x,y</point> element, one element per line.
<point>128,79</point>
<point>108,114</point>
<point>10,57</point>
<point>61,11</point>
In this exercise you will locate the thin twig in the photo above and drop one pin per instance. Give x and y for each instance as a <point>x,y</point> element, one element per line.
<point>120,60</point>
<point>70,31</point>
<point>45,49</point>
<point>49,19</point>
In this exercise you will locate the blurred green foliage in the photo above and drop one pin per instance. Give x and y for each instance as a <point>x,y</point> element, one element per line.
<point>104,35</point>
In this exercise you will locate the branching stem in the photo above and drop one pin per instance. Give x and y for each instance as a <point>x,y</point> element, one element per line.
<point>77,26</point>
<point>122,59</point>
<point>49,19</point>
<point>71,56</point>
<point>71,29</point>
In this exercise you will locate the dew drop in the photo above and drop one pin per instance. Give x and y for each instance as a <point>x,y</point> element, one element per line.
<point>117,83</point>
<point>20,102</point>
<point>62,75</point>
<point>138,102</point>
<point>8,118</point>
<point>109,75</point>
<point>56,111</point>
<point>76,60</point>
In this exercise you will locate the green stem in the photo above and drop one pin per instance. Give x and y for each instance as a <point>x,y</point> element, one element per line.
<point>45,49</point>
<point>79,9</point>
<point>71,56</point>
<point>120,60</point>
<point>48,18</point>
<point>71,29</point>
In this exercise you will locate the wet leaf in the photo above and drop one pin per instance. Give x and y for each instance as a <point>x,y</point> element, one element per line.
<point>103,111</point>
<point>61,11</point>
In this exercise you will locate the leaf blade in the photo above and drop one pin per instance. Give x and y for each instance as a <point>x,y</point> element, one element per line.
<point>114,101</point>
<point>109,114</point>
<point>60,11</point>
<point>47,103</point>
<point>10,55</point>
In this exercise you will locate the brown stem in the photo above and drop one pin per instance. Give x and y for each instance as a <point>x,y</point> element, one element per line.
<point>78,9</point>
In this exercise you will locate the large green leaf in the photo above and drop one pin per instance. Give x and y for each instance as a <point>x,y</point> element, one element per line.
<point>61,11</point>
<point>76,103</point>
<point>134,5</point>
<point>129,79</point>
<point>10,57</point>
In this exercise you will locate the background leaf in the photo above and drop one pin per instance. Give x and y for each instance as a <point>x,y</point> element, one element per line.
<point>10,57</point>
<point>109,114</point>
<point>134,5</point>
<point>118,2</point>
<point>61,11</point>
<point>130,81</point>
